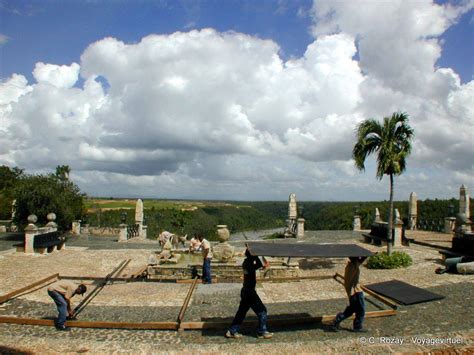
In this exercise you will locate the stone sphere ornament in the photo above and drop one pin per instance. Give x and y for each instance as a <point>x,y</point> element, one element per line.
<point>51,217</point>
<point>32,219</point>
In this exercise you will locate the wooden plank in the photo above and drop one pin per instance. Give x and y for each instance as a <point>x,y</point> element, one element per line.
<point>12,294</point>
<point>92,324</point>
<point>186,300</point>
<point>220,324</point>
<point>138,272</point>
<point>98,288</point>
<point>375,295</point>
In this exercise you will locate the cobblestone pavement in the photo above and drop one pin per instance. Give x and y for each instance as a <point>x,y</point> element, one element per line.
<point>443,325</point>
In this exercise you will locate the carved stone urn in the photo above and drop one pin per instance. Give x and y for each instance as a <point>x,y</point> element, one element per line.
<point>223,252</point>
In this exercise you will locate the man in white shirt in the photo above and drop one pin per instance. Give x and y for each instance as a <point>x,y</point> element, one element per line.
<point>207,257</point>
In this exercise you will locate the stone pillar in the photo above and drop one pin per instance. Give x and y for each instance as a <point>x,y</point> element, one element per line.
<point>398,229</point>
<point>464,201</point>
<point>377,218</point>
<point>449,225</point>
<point>300,228</point>
<point>144,232</point>
<point>356,224</point>
<point>76,227</point>
<point>52,226</point>
<point>139,217</point>
<point>30,231</point>
<point>412,211</point>
<point>123,233</point>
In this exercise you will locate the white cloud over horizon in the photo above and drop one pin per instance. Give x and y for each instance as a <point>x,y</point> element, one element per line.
<point>211,115</point>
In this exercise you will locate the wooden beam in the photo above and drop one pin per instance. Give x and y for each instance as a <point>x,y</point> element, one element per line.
<point>219,324</point>
<point>375,295</point>
<point>186,301</point>
<point>12,294</point>
<point>138,272</point>
<point>92,324</point>
<point>98,288</point>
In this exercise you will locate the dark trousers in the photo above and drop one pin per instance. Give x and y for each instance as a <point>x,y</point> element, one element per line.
<point>357,306</point>
<point>249,299</point>
<point>61,304</point>
<point>206,271</point>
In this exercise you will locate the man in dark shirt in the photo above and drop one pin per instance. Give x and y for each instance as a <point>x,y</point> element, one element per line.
<point>249,299</point>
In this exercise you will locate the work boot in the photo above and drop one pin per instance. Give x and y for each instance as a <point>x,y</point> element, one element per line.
<point>231,335</point>
<point>63,329</point>
<point>336,327</point>
<point>265,335</point>
<point>360,330</point>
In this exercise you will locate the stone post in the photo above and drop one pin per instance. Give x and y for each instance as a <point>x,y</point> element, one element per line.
<point>52,226</point>
<point>76,227</point>
<point>464,201</point>
<point>300,228</point>
<point>139,217</point>
<point>449,225</point>
<point>377,218</point>
<point>356,224</point>
<point>144,232</point>
<point>30,231</point>
<point>398,229</point>
<point>123,233</point>
<point>412,211</point>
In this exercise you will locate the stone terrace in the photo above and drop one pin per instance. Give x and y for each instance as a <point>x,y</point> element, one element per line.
<point>450,318</point>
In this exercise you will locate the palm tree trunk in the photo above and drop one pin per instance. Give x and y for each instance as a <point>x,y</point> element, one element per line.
<point>390,219</point>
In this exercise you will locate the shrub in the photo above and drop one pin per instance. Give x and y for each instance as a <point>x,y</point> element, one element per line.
<point>384,261</point>
<point>42,194</point>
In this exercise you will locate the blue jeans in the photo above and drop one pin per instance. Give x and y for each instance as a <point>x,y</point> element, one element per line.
<point>249,299</point>
<point>62,307</point>
<point>206,271</point>
<point>357,306</point>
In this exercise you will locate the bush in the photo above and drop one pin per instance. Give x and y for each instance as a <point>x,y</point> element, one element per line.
<point>384,261</point>
<point>40,195</point>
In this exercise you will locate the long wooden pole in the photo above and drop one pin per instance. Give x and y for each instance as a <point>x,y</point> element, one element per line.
<point>186,301</point>
<point>12,294</point>
<point>214,324</point>
<point>92,324</point>
<point>98,288</point>
<point>294,320</point>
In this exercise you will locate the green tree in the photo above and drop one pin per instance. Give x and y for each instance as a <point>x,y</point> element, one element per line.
<point>62,172</point>
<point>8,179</point>
<point>391,141</point>
<point>42,194</point>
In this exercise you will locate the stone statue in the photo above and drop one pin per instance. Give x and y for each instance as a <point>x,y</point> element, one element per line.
<point>292,216</point>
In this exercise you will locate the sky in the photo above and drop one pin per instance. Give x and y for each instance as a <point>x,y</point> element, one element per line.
<point>236,99</point>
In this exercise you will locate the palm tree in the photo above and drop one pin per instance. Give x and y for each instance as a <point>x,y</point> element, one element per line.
<point>392,143</point>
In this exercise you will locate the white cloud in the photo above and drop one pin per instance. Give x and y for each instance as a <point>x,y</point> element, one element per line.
<point>204,114</point>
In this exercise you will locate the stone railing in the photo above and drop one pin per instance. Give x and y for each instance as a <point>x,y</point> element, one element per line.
<point>41,240</point>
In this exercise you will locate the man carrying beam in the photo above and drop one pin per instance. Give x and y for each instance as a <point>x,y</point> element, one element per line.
<point>250,299</point>
<point>355,295</point>
<point>61,292</point>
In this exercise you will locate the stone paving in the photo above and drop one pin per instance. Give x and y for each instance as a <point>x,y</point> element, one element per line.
<point>443,321</point>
